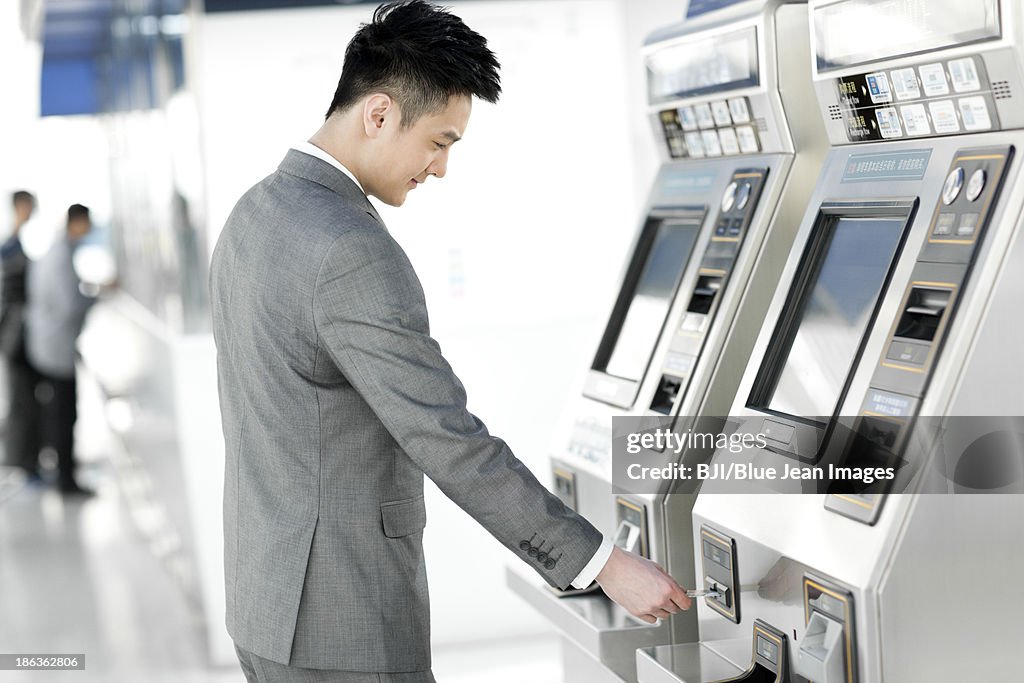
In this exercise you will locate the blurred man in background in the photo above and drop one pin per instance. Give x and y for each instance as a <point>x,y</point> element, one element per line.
<point>54,318</point>
<point>23,429</point>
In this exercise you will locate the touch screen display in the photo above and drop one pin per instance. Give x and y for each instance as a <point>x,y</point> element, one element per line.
<point>652,298</point>
<point>834,315</point>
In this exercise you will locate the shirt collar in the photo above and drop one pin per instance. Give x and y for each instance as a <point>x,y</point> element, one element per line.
<point>314,151</point>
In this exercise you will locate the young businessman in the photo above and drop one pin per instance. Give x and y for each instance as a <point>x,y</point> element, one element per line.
<point>336,400</point>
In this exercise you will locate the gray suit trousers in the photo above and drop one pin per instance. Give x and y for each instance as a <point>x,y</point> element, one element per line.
<point>260,670</point>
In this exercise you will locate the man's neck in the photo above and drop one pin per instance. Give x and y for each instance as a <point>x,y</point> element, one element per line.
<point>332,138</point>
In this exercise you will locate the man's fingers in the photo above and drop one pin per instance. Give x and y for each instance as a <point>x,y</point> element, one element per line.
<point>680,598</point>
<point>682,603</point>
<point>648,618</point>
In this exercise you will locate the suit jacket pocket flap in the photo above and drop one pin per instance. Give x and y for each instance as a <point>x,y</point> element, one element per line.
<point>403,517</point>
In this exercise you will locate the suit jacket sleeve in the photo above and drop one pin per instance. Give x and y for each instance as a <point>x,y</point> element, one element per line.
<point>371,317</point>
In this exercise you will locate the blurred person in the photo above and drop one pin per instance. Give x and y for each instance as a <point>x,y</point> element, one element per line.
<point>336,401</point>
<point>22,438</point>
<point>54,318</point>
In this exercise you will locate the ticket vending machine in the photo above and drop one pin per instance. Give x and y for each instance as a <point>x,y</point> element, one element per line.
<point>741,151</point>
<point>893,341</point>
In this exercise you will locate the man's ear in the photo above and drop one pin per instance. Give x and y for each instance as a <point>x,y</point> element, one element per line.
<point>379,111</point>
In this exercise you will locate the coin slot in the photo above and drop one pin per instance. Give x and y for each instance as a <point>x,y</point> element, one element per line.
<point>704,294</point>
<point>923,313</point>
<point>665,396</point>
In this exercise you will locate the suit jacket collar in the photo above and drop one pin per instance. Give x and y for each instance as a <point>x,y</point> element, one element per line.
<point>318,171</point>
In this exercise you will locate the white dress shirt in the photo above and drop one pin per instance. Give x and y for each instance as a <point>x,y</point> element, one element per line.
<point>314,151</point>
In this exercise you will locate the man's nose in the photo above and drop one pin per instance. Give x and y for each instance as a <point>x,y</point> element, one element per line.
<point>438,167</point>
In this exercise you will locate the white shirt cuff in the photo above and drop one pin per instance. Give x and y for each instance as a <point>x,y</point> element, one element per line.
<point>596,564</point>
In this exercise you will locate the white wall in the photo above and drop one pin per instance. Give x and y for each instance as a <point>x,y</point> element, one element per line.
<point>638,20</point>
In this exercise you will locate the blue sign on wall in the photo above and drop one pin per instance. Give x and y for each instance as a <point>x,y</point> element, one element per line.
<point>69,87</point>
<point>698,7</point>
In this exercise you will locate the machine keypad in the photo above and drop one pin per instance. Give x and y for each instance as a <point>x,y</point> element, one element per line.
<point>739,201</point>
<point>868,101</point>
<point>706,129</point>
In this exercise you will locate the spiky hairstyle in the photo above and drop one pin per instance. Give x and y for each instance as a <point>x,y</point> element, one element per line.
<point>419,54</point>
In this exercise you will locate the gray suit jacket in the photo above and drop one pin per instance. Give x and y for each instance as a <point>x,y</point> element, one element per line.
<point>335,402</point>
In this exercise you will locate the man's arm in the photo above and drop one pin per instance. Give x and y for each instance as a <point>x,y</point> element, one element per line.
<point>370,316</point>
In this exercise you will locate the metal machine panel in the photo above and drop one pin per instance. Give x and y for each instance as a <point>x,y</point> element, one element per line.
<point>750,147</point>
<point>944,342</point>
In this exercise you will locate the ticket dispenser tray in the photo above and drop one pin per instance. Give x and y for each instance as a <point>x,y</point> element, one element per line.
<point>601,628</point>
<point>595,624</point>
<point>698,663</point>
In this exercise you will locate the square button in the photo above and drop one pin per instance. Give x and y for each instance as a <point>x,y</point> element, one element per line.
<point>968,224</point>
<point>712,145</point>
<point>974,112</point>
<point>740,110</point>
<point>704,117</point>
<point>904,84</point>
<point>888,122</point>
<point>915,119</point>
<point>878,88</point>
<point>933,76</point>
<point>687,118</point>
<point>964,74</point>
<point>720,110</point>
<point>944,116</point>
<point>730,145</point>
<point>695,144</point>
<point>944,224</point>
<point>747,138</point>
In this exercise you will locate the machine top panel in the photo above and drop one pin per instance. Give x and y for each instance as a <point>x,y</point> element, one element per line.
<point>852,32</point>
<point>709,64</point>
<point>699,7</point>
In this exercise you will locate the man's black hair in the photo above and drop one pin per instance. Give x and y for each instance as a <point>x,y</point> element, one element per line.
<point>419,54</point>
<point>23,196</point>
<point>77,211</point>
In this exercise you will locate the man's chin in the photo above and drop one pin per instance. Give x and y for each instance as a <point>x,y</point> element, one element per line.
<point>392,200</point>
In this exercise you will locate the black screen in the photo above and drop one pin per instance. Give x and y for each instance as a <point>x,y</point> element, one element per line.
<point>834,315</point>
<point>651,299</point>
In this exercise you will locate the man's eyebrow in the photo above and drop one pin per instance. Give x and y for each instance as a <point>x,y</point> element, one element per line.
<point>451,135</point>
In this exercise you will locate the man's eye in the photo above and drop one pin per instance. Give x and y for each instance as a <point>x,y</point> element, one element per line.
<point>439,145</point>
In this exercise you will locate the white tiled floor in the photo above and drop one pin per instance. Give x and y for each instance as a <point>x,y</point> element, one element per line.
<point>88,577</point>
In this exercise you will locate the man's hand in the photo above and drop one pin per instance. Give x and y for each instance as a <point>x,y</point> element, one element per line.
<point>641,587</point>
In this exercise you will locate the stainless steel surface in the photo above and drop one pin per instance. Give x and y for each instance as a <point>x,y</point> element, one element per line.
<point>904,574</point>
<point>792,144</point>
<point>688,663</point>
<point>596,625</point>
